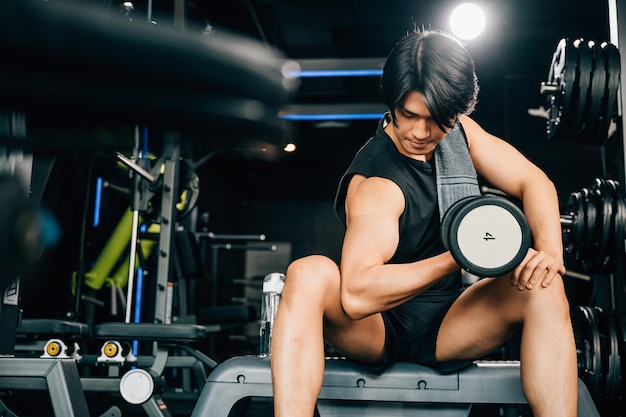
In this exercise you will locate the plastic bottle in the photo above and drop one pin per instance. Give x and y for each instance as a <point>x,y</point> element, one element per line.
<point>272,288</point>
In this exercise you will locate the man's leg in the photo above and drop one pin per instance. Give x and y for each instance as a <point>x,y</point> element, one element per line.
<point>310,310</point>
<point>491,310</point>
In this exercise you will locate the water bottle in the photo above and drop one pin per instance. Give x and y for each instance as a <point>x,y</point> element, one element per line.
<point>272,288</point>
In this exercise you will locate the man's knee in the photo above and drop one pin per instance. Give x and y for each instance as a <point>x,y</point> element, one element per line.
<point>313,273</point>
<point>551,298</point>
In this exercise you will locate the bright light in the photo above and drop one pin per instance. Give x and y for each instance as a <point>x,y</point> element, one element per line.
<point>289,147</point>
<point>467,21</point>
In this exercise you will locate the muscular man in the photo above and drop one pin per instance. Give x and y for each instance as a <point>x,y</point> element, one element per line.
<point>397,294</point>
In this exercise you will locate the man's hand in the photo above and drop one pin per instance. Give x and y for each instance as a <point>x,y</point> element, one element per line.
<point>537,268</point>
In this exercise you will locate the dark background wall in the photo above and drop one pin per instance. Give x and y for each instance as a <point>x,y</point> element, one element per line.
<point>289,198</point>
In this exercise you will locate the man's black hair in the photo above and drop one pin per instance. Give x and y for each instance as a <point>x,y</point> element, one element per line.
<point>436,65</point>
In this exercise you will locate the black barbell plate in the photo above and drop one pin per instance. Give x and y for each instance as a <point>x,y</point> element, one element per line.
<point>580,248</point>
<point>596,94</point>
<point>605,355</point>
<point>613,68</point>
<point>587,250</point>
<point>572,232</point>
<point>583,82</point>
<point>583,346</point>
<point>581,219</point>
<point>620,325</point>
<point>562,74</point>
<point>553,98</point>
<point>613,377</point>
<point>604,197</point>
<point>596,375</point>
<point>596,222</point>
<point>618,234</point>
<point>488,236</point>
<point>587,348</point>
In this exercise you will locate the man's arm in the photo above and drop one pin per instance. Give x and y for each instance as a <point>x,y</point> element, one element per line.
<point>368,285</point>
<point>507,169</point>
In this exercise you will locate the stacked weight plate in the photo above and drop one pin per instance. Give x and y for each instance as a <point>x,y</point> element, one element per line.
<point>594,226</point>
<point>601,350</point>
<point>581,91</point>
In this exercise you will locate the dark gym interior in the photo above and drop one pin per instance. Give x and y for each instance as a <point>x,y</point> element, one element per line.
<point>253,208</point>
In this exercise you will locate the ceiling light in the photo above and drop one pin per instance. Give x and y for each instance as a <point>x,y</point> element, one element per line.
<point>467,21</point>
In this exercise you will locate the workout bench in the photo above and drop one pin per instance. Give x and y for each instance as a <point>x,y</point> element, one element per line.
<point>403,390</point>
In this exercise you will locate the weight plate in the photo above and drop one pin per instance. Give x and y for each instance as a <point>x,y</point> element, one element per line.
<point>613,80</point>
<point>605,356</point>
<point>581,217</point>
<point>449,216</point>
<point>579,249</point>
<point>604,199</point>
<point>561,75</point>
<point>620,325</point>
<point>596,95</point>
<point>584,68</point>
<point>618,233</point>
<point>587,347</point>
<point>575,231</point>
<point>595,374</point>
<point>489,236</point>
<point>613,377</point>
<point>587,250</point>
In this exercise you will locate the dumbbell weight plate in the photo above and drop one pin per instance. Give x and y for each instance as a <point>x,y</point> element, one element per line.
<point>604,198</point>
<point>585,67</point>
<point>587,336</point>
<point>612,378</point>
<point>587,251</point>
<point>613,79</point>
<point>581,246</point>
<point>620,325</point>
<point>618,225</point>
<point>605,355</point>
<point>487,236</point>
<point>559,103</point>
<point>451,214</point>
<point>574,231</point>
<point>596,94</point>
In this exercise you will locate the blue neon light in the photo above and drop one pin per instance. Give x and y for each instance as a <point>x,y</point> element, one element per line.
<point>334,73</point>
<point>341,116</point>
<point>138,297</point>
<point>137,318</point>
<point>97,202</point>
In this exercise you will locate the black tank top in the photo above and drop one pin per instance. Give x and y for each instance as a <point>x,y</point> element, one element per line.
<point>419,224</point>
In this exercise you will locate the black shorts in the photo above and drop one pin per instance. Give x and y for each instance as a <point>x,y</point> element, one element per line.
<point>411,331</point>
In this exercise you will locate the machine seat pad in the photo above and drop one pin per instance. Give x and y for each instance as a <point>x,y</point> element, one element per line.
<point>150,331</point>
<point>53,327</point>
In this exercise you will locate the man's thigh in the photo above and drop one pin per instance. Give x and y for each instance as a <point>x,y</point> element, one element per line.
<point>481,319</point>
<point>361,340</point>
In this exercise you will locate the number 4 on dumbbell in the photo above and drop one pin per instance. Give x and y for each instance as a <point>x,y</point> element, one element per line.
<point>488,236</point>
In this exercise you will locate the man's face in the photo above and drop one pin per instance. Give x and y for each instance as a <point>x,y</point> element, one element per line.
<point>416,134</point>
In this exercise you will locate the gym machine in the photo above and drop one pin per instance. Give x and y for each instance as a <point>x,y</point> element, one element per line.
<point>192,89</point>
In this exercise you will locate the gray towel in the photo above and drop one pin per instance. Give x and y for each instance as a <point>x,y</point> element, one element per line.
<point>456,175</point>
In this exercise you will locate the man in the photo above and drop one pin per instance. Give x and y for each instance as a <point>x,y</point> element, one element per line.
<point>398,295</point>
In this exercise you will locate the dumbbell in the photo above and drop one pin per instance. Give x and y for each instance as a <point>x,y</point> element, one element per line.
<point>488,236</point>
